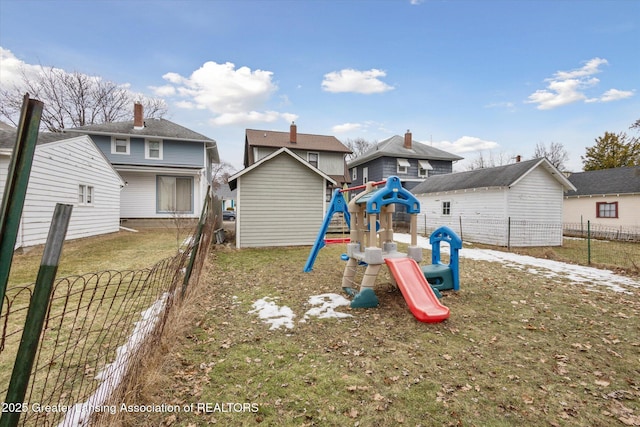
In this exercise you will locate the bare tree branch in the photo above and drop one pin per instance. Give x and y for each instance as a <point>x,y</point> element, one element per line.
<point>75,99</point>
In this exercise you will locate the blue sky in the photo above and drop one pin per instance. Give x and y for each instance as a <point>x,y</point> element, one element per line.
<point>494,77</point>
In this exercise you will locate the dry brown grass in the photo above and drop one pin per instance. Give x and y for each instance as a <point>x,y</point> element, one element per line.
<point>517,350</point>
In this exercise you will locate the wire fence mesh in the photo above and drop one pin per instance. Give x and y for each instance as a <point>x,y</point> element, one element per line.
<point>97,330</point>
<point>587,243</point>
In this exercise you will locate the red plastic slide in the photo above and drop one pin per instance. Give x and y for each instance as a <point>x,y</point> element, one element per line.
<point>420,298</point>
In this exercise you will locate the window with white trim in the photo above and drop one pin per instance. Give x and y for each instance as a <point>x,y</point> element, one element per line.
<point>403,165</point>
<point>354,174</point>
<point>120,145</point>
<point>153,149</point>
<point>423,168</point>
<point>313,158</point>
<point>365,175</point>
<point>85,194</point>
<point>174,194</point>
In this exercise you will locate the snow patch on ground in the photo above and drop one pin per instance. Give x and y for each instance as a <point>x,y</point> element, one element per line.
<point>279,316</point>
<point>327,304</point>
<point>578,274</point>
<point>271,313</point>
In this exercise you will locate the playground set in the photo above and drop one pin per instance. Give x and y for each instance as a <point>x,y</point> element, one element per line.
<point>369,216</point>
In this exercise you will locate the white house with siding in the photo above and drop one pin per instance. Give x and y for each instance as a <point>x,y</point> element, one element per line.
<point>71,170</point>
<point>519,204</point>
<point>281,201</point>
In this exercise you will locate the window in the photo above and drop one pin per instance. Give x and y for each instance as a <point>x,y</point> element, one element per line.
<point>354,174</point>
<point>153,149</point>
<point>313,159</point>
<point>365,175</point>
<point>423,168</point>
<point>607,210</point>
<point>403,165</point>
<point>85,194</point>
<point>120,145</point>
<point>174,194</point>
<point>446,208</point>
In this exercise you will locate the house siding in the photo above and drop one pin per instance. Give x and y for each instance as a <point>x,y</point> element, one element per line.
<point>384,167</point>
<point>174,153</point>
<point>579,210</point>
<point>280,203</point>
<point>478,214</point>
<point>57,171</point>
<point>533,206</point>
<point>138,199</point>
<point>328,162</point>
<point>536,198</point>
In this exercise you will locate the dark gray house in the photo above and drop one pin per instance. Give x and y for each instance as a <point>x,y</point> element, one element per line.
<point>410,160</point>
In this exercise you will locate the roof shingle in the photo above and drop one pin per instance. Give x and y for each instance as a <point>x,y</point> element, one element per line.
<point>623,180</point>
<point>394,147</point>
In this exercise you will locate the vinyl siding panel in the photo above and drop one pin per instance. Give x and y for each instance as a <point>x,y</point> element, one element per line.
<point>480,212</point>
<point>328,162</point>
<point>57,171</point>
<point>581,209</point>
<point>482,215</point>
<point>537,199</point>
<point>280,203</point>
<point>176,153</point>
<point>138,198</point>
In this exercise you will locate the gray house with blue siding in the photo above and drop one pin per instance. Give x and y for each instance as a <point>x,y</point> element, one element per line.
<point>166,168</point>
<point>410,160</point>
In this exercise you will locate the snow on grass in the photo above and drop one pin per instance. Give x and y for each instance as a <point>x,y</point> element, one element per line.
<point>271,313</point>
<point>279,316</point>
<point>328,303</point>
<point>578,274</point>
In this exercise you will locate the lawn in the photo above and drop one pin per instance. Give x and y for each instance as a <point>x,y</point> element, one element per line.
<point>518,349</point>
<point>116,251</point>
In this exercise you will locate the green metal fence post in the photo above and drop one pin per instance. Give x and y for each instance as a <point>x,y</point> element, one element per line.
<point>589,242</point>
<point>15,188</point>
<point>36,314</point>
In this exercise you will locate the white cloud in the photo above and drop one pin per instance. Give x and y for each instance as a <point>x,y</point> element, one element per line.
<point>466,144</point>
<point>350,80</point>
<point>162,91</point>
<point>346,127</point>
<point>251,117</point>
<point>509,106</point>
<point>615,94</point>
<point>568,87</point>
<point>234,95</point>
<point>11,69</point>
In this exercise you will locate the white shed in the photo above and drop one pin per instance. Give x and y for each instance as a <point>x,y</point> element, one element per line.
<point>281,201</point>
<point>70,170</point>
<point>514,205</point>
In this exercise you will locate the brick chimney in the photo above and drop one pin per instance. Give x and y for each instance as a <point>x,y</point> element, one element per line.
<point>518,158</point>
<point>138,116</point>
<point>293,133</point>
<point>407,140</point>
